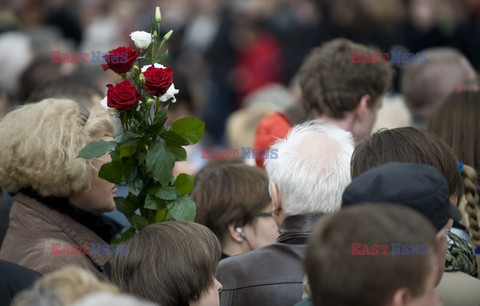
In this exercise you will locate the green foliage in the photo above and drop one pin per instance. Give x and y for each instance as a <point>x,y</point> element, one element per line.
<point>144,155</point>
<point>96,149</point>
<point>182,208</point>
<point>160,162</point>
<point>191,129</point>
<point>184,183</point>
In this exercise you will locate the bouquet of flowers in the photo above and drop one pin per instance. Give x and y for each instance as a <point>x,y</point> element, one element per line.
<point>143,156</point>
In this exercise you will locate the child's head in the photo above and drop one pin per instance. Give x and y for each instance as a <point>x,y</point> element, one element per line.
<point>170,263</point>
<point>373,255</point>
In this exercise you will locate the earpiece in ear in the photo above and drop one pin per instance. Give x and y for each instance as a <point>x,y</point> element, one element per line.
<point>239,231</point>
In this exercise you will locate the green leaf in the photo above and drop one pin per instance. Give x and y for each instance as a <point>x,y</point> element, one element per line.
<point>184,183</point>
<point>130,232</point>
<point>182,208</point>
<point>129,170</point>
<point>125,206</point>
<point>179,153</point>
<point>152,202</point>
<point>174,140</point>
<point>115,155</point>
<point>167,193</point>
<point>159,120</point>
<point>139,222</point>
<point>161,215</point>
<point>111,172</point>
<point>142,156</point>
<point>96,149</point>
<point>190,128</point>
<point>160,162</point>
<point>136,186</point>
<point>128,137</point>
<point>127,149</point>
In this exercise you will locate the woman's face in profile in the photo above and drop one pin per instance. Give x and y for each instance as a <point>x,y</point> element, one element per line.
<point>99,197</point>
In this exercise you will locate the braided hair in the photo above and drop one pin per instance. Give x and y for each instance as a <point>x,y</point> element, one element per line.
<point>469,207</point>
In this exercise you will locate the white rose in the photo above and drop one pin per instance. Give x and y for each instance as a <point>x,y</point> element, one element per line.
<point>170,94</point>
<point>142,39</point>
<point>144,68</point>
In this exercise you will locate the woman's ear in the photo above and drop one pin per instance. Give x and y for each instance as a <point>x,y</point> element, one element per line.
<point>233,234</point>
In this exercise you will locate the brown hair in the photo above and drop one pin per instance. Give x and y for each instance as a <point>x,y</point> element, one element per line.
<point>169,263</point>
<point>408,145</point>
<point>332,84</point>
<point>469,207</point>
<point>229,193</point>
<point>67,87</point>
<point>456,122</point>
<point>339,278</point>
<point>426,85</point>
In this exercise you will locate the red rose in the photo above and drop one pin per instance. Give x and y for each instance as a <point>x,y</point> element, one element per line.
<point>122,96</point>
<point>158,80</point>
<point>121,59</point>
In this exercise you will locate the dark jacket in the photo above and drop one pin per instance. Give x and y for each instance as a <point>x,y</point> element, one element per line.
<point>13,279</point>
<point>35,226</point>
<point>272,275</point>
<point>5,205</point>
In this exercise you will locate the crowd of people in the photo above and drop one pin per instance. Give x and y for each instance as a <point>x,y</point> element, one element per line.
<point>371,199</point>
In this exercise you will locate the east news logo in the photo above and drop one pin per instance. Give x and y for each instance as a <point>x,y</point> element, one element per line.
<point>396,57</point>
<point>389,249</point>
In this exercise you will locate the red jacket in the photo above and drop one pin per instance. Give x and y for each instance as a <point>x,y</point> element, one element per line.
<point>273,127</point>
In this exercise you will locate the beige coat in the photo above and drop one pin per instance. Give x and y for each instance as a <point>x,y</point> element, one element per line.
<point>459,289</point>
<point>33,229</point>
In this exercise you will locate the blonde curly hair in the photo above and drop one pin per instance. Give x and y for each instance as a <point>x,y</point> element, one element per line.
<point>64,286</point>
<point>39,144</point>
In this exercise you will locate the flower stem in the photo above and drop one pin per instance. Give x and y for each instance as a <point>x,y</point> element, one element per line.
<point>157,104</point>
<point>124,122</point>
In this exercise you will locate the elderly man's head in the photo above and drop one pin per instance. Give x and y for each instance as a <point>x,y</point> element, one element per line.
<point>311,171</point>
<point>426,85</point>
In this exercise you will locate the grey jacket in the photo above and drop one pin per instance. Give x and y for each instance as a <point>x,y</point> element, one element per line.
<point>272,275</point>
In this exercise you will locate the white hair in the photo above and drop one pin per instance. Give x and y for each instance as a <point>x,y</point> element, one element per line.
<point>312,169</point>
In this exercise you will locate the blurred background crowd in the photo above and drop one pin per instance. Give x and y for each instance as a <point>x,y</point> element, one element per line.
<point>226,54</point>
<point>260,73</point>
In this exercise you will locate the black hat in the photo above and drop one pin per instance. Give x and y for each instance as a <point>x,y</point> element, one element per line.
<point>417,186</point>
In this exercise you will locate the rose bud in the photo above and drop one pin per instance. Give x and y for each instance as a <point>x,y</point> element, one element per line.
<point>158,15</point>
<point>168,35</point>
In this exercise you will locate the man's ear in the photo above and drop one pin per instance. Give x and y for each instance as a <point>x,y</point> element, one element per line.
<point>276,201</point>
<point>362,107</point>
<point>401,297</point>
<point>234,235</point>
<point>442,246</point>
